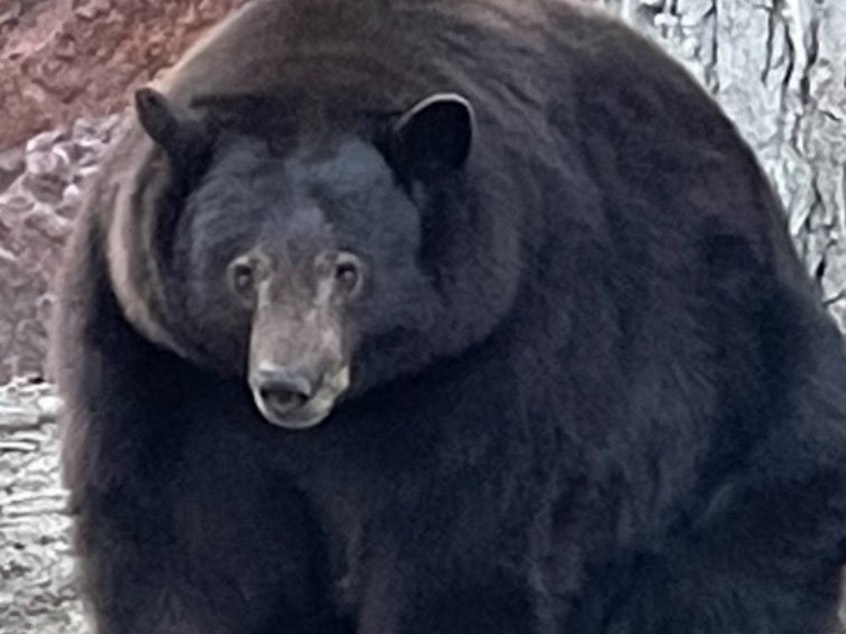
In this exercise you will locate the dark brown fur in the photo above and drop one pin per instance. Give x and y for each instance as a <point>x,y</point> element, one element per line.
<point>615,405</point>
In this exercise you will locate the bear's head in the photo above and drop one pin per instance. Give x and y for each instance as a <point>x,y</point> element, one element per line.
<point>319,266</point>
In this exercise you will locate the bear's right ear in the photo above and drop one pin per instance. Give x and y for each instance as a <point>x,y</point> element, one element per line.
<point>178,131</point>
<point>434,136</point>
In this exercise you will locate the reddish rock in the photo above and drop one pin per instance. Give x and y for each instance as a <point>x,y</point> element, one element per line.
<point>64,59</point>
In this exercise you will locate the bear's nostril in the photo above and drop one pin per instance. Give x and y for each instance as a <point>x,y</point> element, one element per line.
<point>282,400</point>
<point>282,390</point>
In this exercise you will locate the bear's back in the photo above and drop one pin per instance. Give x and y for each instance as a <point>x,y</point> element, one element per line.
<point>371,45</point>
<point>556,79</point>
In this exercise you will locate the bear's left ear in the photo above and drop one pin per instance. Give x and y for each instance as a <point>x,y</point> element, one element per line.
<point>182,134</point>
<point>434,136</point>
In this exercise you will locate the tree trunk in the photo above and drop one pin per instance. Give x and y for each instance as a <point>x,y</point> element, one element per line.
<point>778,67</point>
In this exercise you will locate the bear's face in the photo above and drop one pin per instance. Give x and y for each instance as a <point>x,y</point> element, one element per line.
<point>323,270</point>
<point>289,263</point>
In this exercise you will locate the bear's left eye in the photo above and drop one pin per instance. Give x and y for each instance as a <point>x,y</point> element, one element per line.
<point>242,278</point>
<point>348,273</point>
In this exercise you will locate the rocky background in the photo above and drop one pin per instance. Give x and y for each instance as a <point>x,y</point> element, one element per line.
<point>67,68</point>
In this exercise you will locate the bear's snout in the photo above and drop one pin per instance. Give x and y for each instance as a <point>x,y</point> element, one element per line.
<point>294,397</point>
<point>283,389</point>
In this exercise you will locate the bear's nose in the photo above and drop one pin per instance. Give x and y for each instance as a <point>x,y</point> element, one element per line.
<point>282,389</point>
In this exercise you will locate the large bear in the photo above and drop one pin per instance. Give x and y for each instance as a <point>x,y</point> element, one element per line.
<point>445,317</point>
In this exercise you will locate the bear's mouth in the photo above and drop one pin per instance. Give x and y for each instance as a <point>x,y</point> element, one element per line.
<point>299,408</point>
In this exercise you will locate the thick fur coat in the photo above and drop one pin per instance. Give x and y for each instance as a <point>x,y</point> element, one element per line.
<point>445,316</point>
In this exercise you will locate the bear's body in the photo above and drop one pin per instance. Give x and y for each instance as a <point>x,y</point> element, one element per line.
<point>527,297</point>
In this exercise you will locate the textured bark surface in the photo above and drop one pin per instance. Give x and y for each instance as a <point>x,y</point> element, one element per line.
<point>37,589</point>
<point>777,66</point>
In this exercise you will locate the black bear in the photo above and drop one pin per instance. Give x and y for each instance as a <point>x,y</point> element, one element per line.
<point>445,316</point>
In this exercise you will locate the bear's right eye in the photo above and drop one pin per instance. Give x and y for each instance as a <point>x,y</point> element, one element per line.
<point>242,278</point>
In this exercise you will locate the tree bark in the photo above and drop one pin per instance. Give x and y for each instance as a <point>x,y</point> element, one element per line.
<point>778,67</point>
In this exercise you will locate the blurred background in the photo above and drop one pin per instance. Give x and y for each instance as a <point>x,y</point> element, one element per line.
<point>67,68</point>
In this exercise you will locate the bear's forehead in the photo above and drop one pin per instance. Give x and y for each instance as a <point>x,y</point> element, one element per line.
<point>348,165</point>
<point>344,178</point>
<point>314,194</point>
<point>340,166</point>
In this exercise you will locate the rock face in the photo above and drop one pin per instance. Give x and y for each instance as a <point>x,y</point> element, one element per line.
<point>65,59</point>
<point>37,206</point>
